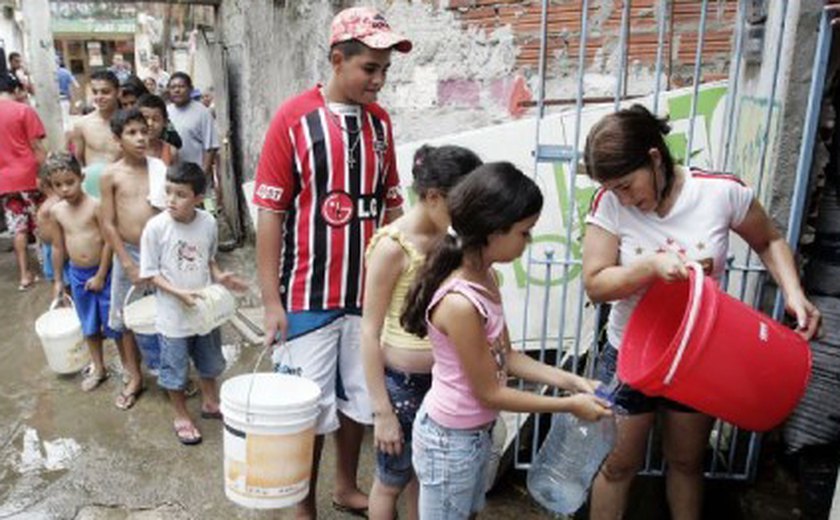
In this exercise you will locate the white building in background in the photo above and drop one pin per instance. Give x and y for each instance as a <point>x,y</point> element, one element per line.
<point>11,35</point>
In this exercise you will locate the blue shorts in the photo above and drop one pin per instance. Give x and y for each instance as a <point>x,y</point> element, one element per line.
<point>46,258</point>
<point>92,307</point>
<point>406,392</point>
<point>451,466</point>
<point>632,401</point>
<point>175,354</point>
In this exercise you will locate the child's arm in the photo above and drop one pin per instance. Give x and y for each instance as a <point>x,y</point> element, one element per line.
<point>385,263</point>
<point>57,254</point>
<point>227,278</point>
<point>188,298</point>
<point>456,317</point>
<point>109,226</point>
<point>97,281</point>
<point>523,366</point>
<point>78,140</point>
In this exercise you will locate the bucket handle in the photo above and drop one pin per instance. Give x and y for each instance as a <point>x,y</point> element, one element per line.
<point>130,293</point>
<point>59,299</point>
<point>277,345</point>
<point>694,310</point>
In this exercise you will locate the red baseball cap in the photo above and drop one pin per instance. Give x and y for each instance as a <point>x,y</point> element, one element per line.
<point>367,25</point>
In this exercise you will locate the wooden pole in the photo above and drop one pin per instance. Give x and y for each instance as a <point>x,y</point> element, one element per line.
<point>42,68</point>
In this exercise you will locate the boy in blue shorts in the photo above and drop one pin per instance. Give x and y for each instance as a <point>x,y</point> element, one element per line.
<point>77,235</point>
<point>177,254</point>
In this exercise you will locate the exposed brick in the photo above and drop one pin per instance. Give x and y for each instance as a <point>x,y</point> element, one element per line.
<point>564,25</point>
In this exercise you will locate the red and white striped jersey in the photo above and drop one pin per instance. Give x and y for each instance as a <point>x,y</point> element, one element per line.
<point>333,175</point>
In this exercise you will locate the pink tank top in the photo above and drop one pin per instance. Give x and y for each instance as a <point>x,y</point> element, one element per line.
<point>450,401</point>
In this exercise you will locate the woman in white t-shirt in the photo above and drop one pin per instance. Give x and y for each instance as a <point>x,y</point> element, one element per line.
<point>649,218</point>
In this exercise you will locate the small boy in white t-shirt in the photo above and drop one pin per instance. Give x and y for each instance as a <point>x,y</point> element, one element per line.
<point>177,254</point>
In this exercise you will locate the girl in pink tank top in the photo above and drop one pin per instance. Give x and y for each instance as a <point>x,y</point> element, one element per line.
<point>456,302</point>
<point>398,364</point>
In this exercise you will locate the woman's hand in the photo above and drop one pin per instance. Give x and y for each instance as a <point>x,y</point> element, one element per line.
<point>669,266</point>
<point>806,313</point>
<point>387,433</point>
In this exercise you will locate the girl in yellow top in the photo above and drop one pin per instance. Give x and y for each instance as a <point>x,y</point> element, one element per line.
<point>398,364</point>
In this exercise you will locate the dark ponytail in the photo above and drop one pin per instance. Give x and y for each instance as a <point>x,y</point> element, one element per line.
<point>490,200</point>
<point>441,167</point>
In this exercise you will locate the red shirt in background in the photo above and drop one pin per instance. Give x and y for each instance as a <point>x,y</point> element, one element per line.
<point>19,126</point>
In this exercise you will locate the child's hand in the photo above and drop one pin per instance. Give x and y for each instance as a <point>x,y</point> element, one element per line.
<point>387,433</point>
<point>587,386</point>
<point>232,282</point>
<point>95,284</point>
<point>588,407</point>
<point>189,298</point>
<point>133,273</point>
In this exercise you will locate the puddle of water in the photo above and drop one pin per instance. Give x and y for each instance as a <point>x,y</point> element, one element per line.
<point>37,455</point>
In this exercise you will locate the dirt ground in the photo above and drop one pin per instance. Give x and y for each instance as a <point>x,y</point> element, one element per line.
<point>65,454</point>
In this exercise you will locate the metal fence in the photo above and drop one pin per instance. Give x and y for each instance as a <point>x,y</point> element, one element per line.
<point>733,453</point>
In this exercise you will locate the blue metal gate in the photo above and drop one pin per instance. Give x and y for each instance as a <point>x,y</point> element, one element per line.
<point>734,453</point>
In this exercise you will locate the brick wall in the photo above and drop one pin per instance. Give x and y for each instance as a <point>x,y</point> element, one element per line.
<point>564,28</point>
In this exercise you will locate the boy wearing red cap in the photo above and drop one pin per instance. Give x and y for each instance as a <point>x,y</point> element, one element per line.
<point>326,180</point>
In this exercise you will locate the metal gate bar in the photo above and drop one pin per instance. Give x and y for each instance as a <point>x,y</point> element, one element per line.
<point>734,453</point>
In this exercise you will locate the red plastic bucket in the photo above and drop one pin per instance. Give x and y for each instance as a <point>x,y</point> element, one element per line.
<point>694,344</point>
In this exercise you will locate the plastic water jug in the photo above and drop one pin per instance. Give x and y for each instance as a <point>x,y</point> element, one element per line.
<point>213,307</point>
<point>568,460</point>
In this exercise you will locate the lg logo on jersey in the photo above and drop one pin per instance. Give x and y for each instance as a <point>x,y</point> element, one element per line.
<point>338,208</point>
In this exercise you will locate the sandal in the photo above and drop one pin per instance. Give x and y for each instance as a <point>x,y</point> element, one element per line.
<point>93,380</point>
<point>125,400</point>
<point>205,414</point>
<point>186,432</point>
<point>361,512</point>
<point>28,285</point>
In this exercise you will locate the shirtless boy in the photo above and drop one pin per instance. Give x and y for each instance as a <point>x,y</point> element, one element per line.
<point>44,224</point>
<point>77,235</point>
<point>94,143</point>
<point>127,204</point>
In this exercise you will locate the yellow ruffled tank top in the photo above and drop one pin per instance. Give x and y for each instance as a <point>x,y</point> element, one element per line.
<point>393,333</point>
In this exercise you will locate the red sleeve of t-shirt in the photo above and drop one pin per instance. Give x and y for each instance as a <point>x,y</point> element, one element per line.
<point>393,194</point>
<point>274,184</point>
<point>32,125</point>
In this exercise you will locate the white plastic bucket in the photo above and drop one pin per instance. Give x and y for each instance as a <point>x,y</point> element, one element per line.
<point>139,315</point>
<point>215,306</point>
<point>60,332</point>
<point>269,439</point>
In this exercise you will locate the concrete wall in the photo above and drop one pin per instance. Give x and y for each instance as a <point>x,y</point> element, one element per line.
<point>11,37</point>
<point>795,49</point>
<point>468,57</point>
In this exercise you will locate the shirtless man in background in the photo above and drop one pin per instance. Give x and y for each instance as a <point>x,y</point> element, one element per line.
<point>93,141</point>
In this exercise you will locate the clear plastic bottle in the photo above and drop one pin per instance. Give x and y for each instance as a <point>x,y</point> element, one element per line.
<point>572,453</point>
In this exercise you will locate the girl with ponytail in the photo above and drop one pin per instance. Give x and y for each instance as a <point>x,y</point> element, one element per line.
<point>398,364</point>
<point>456,302</point>
<point>648,219</point>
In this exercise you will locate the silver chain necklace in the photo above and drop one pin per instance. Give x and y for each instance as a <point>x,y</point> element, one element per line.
<point>337,121</point>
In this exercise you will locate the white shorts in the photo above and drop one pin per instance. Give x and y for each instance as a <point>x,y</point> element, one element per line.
<point>331,356</point>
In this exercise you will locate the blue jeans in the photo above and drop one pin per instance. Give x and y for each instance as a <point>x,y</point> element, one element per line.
<point>450,465</point>
<point>205,351</point>
<point>406,392</point>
